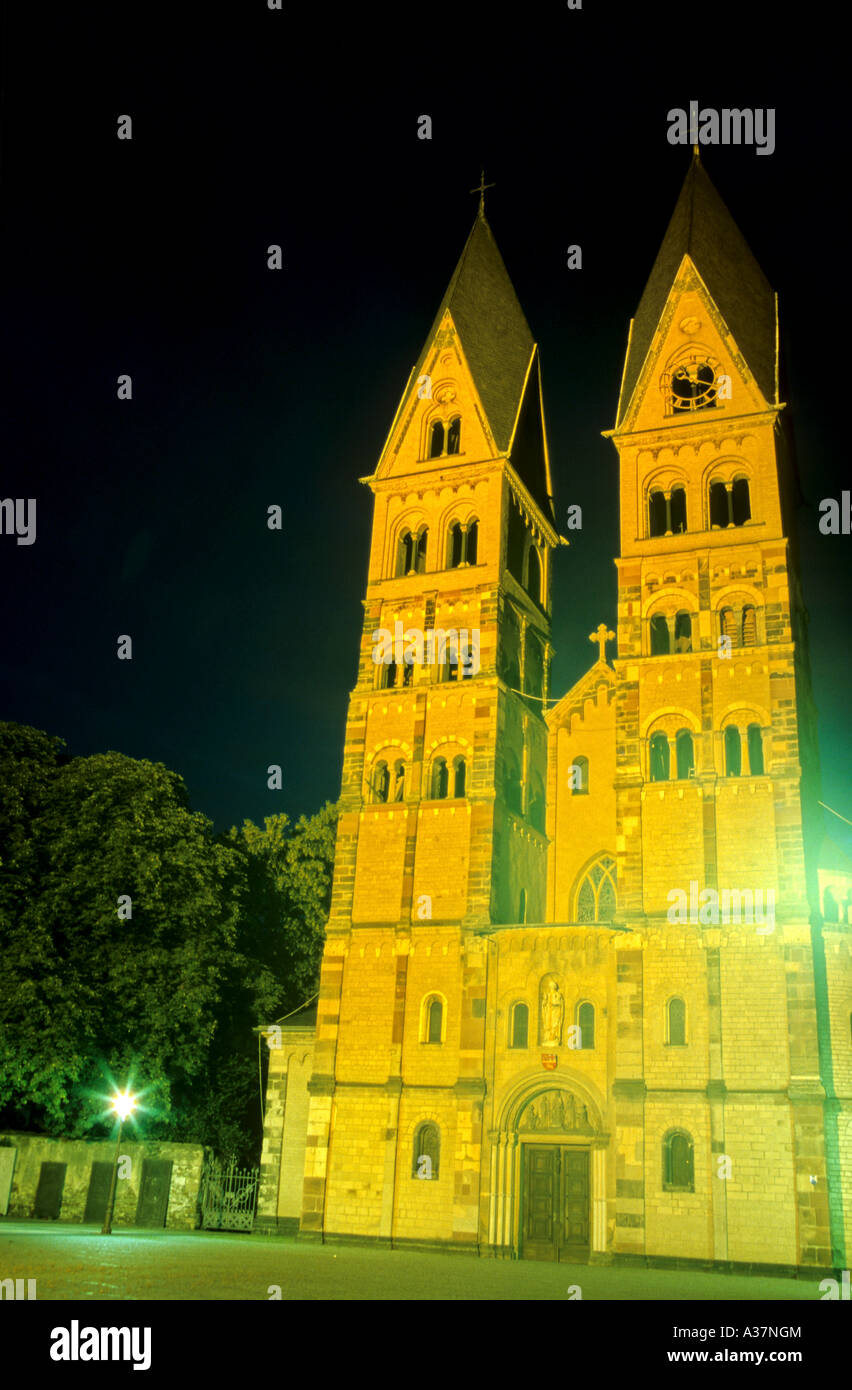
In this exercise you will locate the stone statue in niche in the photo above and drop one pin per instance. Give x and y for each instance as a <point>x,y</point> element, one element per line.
<point>552,1015</point>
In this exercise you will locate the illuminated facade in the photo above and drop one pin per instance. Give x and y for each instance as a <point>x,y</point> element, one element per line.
<point>577,999</point>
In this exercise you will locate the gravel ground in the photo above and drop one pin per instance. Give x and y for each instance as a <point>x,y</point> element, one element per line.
<point>77,1262</point>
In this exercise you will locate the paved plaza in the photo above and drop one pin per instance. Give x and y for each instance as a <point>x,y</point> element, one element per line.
<point>77,1262</point>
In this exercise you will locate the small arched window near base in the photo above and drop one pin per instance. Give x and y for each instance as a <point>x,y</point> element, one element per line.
<point>678,1162</point>
<point>596,897</point>
<point>675,1023</point>
<point>585,1017</point>
<point>426,1152</point>
<point>519,1026</point>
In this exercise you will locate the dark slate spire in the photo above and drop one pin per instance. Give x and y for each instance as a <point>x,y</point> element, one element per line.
<point>702,228</point>
<point>494,334</point>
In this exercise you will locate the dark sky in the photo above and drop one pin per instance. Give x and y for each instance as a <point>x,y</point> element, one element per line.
<point>250,387</point>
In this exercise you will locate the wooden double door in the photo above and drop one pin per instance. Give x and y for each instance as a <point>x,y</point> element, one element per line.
<point>555,1203</point>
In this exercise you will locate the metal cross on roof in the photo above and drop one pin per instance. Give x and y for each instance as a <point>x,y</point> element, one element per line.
<point>481,189</point>
<point>601,635</point>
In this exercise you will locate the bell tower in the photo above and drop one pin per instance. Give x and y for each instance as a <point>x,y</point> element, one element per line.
<point>442,819</point>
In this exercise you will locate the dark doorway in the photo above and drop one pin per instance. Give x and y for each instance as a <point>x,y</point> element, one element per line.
<point>48,1200</point>
<point>154,1192</point>
<point>555,1210</point>
<point>98,1195</point>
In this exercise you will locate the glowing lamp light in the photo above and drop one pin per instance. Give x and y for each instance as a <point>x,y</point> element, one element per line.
<point>123,1104</point>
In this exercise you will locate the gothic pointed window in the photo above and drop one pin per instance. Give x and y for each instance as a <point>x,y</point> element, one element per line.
<point>519,1029</point>
<point>684,754</point>
<point>678,1162</point>
<point>454,435</point>
<point>755,750</point>
<point>677,511</point>
<point>456,545</point>
<point>749,626</point>
<point>586,1023</point>
<point>657,514</point>
<point>596,895</point>
<point>420,551</point>
<point>436,439</point>
<point>459,776</point>
<point>399,781</point>
<point>472,542</point>
<point>733,752</point>
<point>683,632</point>
<point>439,779</point>
<point>740,502</point>
<point>675,1023</point>
<point>718,505</point>
<point>659,635</point>
<point>381,783</point>
<point>659,757</point>
<point>578,776</point>
<point>426,1152</point>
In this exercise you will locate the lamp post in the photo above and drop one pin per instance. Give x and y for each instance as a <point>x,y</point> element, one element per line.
<point>123,1104</point>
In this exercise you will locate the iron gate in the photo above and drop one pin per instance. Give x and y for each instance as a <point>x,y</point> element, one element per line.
<point>228,1197</point>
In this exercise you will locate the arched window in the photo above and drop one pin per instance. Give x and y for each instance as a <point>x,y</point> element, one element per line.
<point>733,752</point>
<point>578,776</point>
<point>740,502</point>
<point>381,783</point>
<point>405,554</point>
<point>754,739</point>
<point>536,810</point>
<point>388,675</point>
<point>718,505</point>
<point>456,545</point>
<point>514,789</point>
<point>684,754</point>
<point>659,635</point>
<point>683,632</point>
<point>420,551</point>
<point>749,627</point>
<point>657,514</point>
<point>426,1152</point>
<point>440,779</point>
<point>436,439</point>
<point>728,624</point>
<point>658,749</point>
<point>677,510</point>
<point>585,1017</point>
<point>678,1163</point>
<point>596,900</point>
<point>454,435</point>
<point>675,1023</point>
<point>519,1025</point>
<point>434,1021</point>
<point>534,575</point>
<point>399,781</point>
<point>472,542</point>
<point>459,776</point>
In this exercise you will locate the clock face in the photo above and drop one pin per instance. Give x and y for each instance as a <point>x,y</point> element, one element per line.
<point>693,386</point>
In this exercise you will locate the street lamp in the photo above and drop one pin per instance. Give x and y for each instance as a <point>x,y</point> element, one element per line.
<point>123,1104</point>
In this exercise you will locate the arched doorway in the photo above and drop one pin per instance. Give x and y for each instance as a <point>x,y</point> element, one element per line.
<point>548,1172</point>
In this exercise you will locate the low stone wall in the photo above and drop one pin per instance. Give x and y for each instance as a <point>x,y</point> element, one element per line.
<point>21,1173</point>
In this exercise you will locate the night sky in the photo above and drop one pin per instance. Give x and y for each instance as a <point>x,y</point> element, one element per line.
<point>253,387</point>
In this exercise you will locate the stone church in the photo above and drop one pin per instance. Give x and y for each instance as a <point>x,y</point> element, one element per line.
<point>578,1001</point>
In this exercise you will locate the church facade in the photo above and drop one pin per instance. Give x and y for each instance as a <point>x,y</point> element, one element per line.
<point>578,1001</point>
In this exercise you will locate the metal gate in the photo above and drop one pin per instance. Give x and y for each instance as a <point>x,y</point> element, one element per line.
<point>229,1197</point>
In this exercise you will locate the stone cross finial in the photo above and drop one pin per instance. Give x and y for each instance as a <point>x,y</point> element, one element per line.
<point>601,635</point>
<point>481,190</point>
